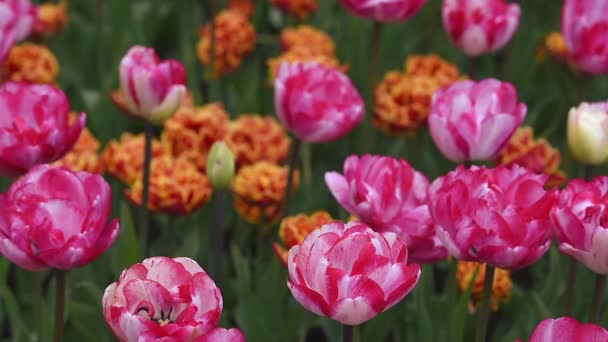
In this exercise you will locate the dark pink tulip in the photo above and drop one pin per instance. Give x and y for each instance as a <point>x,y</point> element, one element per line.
<point>580,222</point>
<point>222,335</point>
<point>24,13</point>
<point>34,126</point>
<point>350,273</point>
<point>153,90</point>
<point>479,27</point>
<point>53,217</point>
<point>474,120</point>
<point>317,103</point>
<point>390,196</point>
<point>384,10</point>
<point>496,216</point>
<point>568,329</point>
<point>585,30</point>
<point>164,299</point>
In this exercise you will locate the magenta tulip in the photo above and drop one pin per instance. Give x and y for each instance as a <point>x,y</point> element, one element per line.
<point>384,10</point>
<point>53,217</point>
<point>317,103</point>
<point>568,329</point>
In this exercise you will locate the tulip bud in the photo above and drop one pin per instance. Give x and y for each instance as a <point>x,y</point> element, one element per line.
<point>220,165</point>
<point>588,132</point>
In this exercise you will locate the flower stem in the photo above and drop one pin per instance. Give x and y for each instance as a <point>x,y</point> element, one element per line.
<point>598,298</point>
<point>38,304</point>
<point>219,216</point>
<point>347,333</point>
<point>293,164</point>
<point>570,282</point>
<point>588,172</point>
<point>144,218</point>
<point>371,80</point>
<point>484,307</point>
<point>60,278</point>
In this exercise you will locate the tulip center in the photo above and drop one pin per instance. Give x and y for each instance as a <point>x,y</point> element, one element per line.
<point>162,320</point>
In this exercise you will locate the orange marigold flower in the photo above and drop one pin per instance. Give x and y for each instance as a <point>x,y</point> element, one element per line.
<point>300,9</point>
<point>309,37</point>
<point>442,71</point>
<point>254,138</point>
<point>176,186</point>
<point>192,131</point>
<point>302,55</point>
<point>294,229</point>
<point>84,156</point>
<point>259,191</point>
<point>501,290</point>
<point>52,18</point>
<point>125,159</point>
<point>234,39</point>
<point>536,155</point>
<point>31,63</point>
<point>402,103</point>
<point>245,7</point>
<point>554,46</point>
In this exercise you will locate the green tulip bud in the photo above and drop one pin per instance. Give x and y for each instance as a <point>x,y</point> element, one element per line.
<point>220,165</point>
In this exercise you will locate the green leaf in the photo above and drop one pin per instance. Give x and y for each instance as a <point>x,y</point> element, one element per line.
<point>126,250</point>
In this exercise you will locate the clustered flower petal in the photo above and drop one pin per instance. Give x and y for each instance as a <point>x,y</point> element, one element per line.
<point>31,63</point>
<point>235,38</point>
<point>300,9</point>
<point>245,7</point>
<point>501,288</point>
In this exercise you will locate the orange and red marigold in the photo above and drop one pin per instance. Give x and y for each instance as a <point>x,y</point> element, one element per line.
<point>176,186</point>
<point>536,155</point>
<point>245,7</point>
<point>31,63</point>
<point>235,38</point>
<point>259,190</point>
<point>52,18</point>
<point>294,229</point>
<point>254,138</point>
<point>501,290</point>
<point>300,9</point>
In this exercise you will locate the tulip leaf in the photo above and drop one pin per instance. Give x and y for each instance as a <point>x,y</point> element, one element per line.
<point>126,250</point>
<point>10,302</point>
<point>460,310</point>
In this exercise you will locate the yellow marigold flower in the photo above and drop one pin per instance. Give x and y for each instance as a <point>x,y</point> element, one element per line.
<point>305,36</point>
<point>52,18</point>
<point>294,229</point>
<point>300,9</point>
<point>254,138</point>
<point>176,186</point>
<point>245,7</point>
<point>31,63</point>
<point>536,155</point>
<point>402,103</point>
<point>234,39</point>
<point>442,71</point>
<point>259,190</point>
<point>84,156</point>
<point>125,159</point>
<point>302,55</point>
<point>192,131</point>
<point>501,290</point>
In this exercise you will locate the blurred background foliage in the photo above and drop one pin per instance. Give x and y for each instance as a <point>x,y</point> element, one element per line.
<point>256,297</point>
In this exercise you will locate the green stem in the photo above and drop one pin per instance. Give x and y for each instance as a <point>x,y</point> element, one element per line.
<point>598,298</point>
<point>293,164</point>
<point>347,333</point>
<point>99,37</point>
<point>570,283</point>
<point>144,218</point>
<point>307,164</point>
<point>484,307</point>
<point>219,216</point>
<point>38,304</point>
<point>371,80</point>
<point>60,278</point>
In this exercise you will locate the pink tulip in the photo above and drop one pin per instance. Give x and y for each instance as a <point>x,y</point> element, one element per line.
<point>580,222</point>
<point>222,335</point>
<point>350,273</point>
<point>479,27</point>
<point>585,30</point>
<point>390,196</point>
<point>474,120</point>
<point>25,14</point>
<point>384,10</point>
<point>53,217</point>
<point>318,104</point>
<point>8,21</point>
<point>496,216</point>
<point>164,299</point>
<point>568,329</point>
<point>152,90</point>
<point>34,126</point>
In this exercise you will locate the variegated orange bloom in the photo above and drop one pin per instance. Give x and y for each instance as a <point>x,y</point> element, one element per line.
<point>501,290</point>
<point>294,229</point>
<point>254,138</point>
<point>177,187</point>
<point>31,63</point>
<point>235,38</point>
<point>259,190</point>
<point>124,159</point>
<point>309,37</point>
<point>554,46</point>
<point>84,156</point>
<point>300,9</point>
<point>245,7</point>
<point>442,71</point>
<point>536,155</point>
<point>52,18</point>
<point>191,132</point>
<point>302,55</point>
